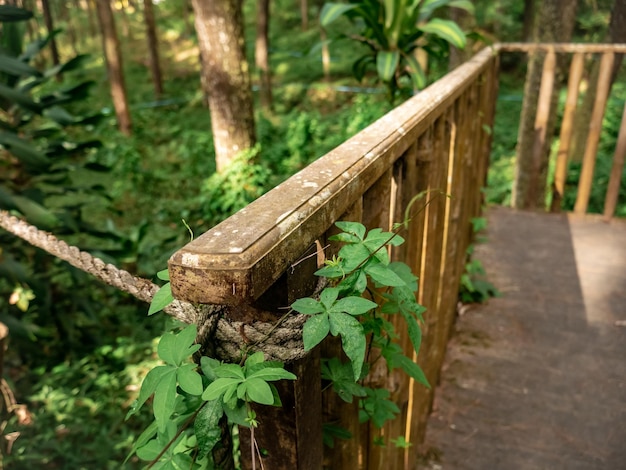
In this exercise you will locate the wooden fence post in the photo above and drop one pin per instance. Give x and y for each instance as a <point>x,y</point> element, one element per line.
<point>575,74</point>
<point>612,191</point>
<point>595,126</point>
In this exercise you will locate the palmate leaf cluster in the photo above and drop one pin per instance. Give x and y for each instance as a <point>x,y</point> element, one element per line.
<point>393,30</point>
<point>189,402</point>
<point>366,288</point>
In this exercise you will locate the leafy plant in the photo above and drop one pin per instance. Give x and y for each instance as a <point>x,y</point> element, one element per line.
<point>365,287</point>
<point>474,287</point>
<point>393,30</point>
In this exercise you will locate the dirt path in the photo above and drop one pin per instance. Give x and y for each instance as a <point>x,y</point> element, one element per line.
<point>536,379</point>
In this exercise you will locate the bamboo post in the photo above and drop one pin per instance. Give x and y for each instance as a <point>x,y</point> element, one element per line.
<point>541,120</point>
<point>573,83</point>
<point>595,126</point>
<point>612,191</point>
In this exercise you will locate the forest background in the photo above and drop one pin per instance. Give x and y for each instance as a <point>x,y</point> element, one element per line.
<point>131,193</point>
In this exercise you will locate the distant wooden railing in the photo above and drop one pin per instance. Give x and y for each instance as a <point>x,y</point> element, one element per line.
<point>258,261</point>
<point>578,53</point>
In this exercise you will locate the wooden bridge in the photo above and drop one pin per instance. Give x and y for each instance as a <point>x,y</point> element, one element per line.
<point>259,261</point>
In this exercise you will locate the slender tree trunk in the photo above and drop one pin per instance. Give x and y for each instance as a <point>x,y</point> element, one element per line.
<point>153,47</point>
<point>47,16</point>
<point>554,23</point>
<point>127,31</point>
<point>262,53</point>
<point>113,55</point>
<point>617,34</point>
<point>304,12</point>
<point>529,16</point>
<point>226,77</point>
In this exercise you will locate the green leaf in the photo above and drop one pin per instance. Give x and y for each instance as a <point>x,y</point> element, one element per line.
<point>466,5</point>
<point>148,386</point>
<point>446,30</point>
<point>383,275</point>
<point>329,296</point>
<point>355,228</point>
<point>164,398</point>
<point>208,366</point>
<point>403,271</point>
<point>378,407</point>
<point>331,11</point>
<point>60,116</point>
<point>413,329</point>
<point>24,100</point>
<point>10,13</point>
<point>352,339</point>
<point>315,330</point>
<point>36,214</point>
<point>387,64</point>
<point>330,272</point>
<point>207,428</point>
<point>142,440</point>
<point>412,369</point>
<point>184,346</point>
<point>164,275</point>
<point>354,256</point>
<point>231,371</point>
<point>220,387</point>
<point>161,299</point>
<point>189,380</point>
<point>15,67</point>
<point>416,73</point>
<point>150,451</point>
<point>272,373</point>
<point>354,305</point>
<point>307,306</point>
<point>342,377</point>
<point>237,414</point>
<point>254,360</point>
<point>258,391</point>
<point>27,153</point>
<point>166,347</point>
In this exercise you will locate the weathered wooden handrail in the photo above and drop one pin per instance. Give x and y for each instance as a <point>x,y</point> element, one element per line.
<point>258,260</point>
<point>239,259</point>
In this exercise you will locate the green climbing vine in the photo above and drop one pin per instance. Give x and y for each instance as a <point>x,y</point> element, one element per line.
<point>363,290</point>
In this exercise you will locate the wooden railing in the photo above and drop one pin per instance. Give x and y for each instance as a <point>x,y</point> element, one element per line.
<point>549,84</point>
<point>258,261</point>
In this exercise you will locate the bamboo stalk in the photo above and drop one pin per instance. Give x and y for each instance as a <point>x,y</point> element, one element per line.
<point>595,126</point>
<point>575,74</point>
<point>612,191</point>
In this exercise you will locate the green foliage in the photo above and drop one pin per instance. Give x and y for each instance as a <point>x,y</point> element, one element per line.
<point>474,287</point>
<point>362,269</point>
<point>393,30</point>
<point>183,395</point>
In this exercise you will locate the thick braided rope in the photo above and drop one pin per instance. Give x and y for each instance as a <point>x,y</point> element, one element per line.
<point>220,337</point>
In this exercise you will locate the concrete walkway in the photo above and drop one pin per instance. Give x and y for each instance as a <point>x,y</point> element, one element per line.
<point>536,379</point>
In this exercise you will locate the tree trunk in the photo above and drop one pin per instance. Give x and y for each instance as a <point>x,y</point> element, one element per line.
<point>617,34</point>
<point>226,78</point>
<point>262,53</point>
<point>554,23</point>
<point>304,12</point>
<point>153,47</point>
<point>529,15</point>
<point>47,16</point>
<point>71,30</point>
<point>111,46</point>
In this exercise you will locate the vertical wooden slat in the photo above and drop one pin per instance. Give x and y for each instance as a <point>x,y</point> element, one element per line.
<point>573,83</point>
<point>541,120</point>
<point>612,191</point>
<point>595,126</point>
<point>291,435</point>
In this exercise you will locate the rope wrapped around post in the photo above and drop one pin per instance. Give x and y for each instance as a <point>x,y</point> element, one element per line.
<point>219,337</point>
